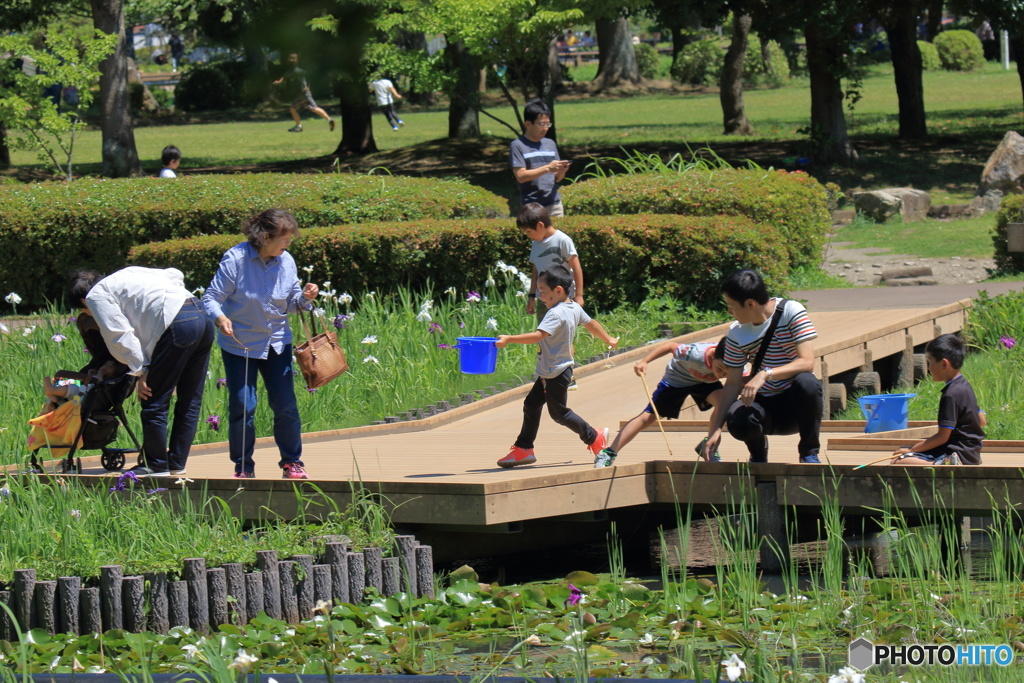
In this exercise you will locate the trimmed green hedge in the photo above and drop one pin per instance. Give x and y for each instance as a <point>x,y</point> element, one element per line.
<point>625,259</point>
<point>794,203</point>
<point>1011,210</point>
<point>959,50</point>
<point>46,229</point>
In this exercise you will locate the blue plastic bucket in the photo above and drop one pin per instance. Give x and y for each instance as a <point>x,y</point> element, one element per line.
<point>477,355</point>
<point>885,412</point>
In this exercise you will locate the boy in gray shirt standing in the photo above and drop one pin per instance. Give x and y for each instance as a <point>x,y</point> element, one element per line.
<point>554,334</point>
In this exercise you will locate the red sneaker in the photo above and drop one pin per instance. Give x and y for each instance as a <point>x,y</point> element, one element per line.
<point>293,471</point>
<point>600,442</point>
<point>517,456</point>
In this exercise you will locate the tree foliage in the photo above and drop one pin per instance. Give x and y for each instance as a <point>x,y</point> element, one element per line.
<point>33,120</point>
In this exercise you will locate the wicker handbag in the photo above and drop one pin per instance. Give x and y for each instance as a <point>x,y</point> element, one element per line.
<point>321,358</point>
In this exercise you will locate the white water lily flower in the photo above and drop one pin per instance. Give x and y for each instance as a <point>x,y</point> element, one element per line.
<point>532,639</point>
<point>491,324</point>
<point>372,339</point>
<point>649,661</point>
<point>345,298</point>
<point>190,650</point>
<point>646,639</point>
<point>371,359</point>
<point>423,317</point>
<point>13,298</point>
<point>243,661</point>
<point>847,675</point>
<point>734,667</point>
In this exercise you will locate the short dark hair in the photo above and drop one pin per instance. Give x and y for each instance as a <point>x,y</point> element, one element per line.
<point>535,108</point>
<point>170,153</point>
<point>556,276</point>
<point>267,225</point>
<point>531,214</point>
<point>80,282</point>
<point>949,347</point>
<point>745,284</point>
<point>720,348</point>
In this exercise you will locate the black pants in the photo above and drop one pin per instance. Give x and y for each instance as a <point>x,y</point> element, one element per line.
<point>797,409</point>
<point>554,393</point>
<point>389,111</point>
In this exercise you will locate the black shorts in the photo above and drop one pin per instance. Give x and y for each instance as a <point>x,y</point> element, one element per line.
<point>304,100</point>
<point>669,399</point>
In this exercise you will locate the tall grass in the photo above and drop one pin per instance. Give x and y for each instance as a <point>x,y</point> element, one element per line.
<point>61,527</point>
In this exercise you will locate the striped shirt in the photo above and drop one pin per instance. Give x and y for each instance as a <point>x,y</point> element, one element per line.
<point>689,365</point>
<point>744,340</point>
<point>257,298</point>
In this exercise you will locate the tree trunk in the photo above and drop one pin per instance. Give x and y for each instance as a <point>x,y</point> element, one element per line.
<point>464,100</point>
<point>906,62</point>
<point>5,151</point>
<point>766,57</point>
<point>934,24</point>
<point>828,121</point>
<point>1017,47</point>
<point>617,65</point>
<point>554,66</point>
<point>120,157</point>
<point>731,85</point>
<point>356,119</point>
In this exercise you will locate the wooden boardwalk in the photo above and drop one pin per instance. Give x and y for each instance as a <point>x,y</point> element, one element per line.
<point>440,472</point>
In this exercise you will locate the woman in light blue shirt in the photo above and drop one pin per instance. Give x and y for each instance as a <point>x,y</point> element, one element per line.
<point>249,299</point>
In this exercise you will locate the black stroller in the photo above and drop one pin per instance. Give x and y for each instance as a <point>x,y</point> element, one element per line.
<point>101,412</point>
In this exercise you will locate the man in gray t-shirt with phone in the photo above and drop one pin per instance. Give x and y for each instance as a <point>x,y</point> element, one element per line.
<point>535,161</point>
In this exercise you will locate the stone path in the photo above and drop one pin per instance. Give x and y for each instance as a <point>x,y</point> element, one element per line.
<point>863,267</point>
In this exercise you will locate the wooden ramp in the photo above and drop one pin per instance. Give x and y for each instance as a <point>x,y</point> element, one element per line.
<point>440,472</point>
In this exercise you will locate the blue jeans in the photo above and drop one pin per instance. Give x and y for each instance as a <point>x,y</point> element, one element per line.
<point>276,370</point>
<point>179,362</point>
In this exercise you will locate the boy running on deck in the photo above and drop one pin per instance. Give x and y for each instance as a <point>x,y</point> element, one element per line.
<point>554,335</point>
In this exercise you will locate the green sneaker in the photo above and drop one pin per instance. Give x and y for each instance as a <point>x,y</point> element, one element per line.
<point>699,448</point>
<point>606,458</point>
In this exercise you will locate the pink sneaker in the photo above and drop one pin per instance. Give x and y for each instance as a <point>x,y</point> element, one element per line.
<point>600,442</point>
<point>293,471</point>
<point>518,456</point>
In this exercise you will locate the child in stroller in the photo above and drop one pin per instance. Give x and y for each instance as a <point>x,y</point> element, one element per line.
<point>85,415</point>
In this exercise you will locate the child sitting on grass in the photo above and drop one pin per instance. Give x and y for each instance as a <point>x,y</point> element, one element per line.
<point>554,334</point>
<point>693,370</point>
<point>958,440</point>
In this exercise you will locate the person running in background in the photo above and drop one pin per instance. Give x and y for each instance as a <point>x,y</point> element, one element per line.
<point>386,95</point>
<point>298,90</point>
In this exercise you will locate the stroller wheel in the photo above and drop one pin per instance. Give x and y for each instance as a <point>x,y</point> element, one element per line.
<point>112,460</point>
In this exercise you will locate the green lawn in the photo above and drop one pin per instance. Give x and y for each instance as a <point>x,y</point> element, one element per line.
<point>969,238</point>
<point>968,115</point>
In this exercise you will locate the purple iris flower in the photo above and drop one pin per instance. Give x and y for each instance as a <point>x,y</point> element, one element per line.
<point>575,596</point>
<point>1007,342</point>
<point>214,421</point>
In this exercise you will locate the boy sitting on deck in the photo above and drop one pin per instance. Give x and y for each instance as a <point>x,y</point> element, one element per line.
<point>694,370</point>
<point>958,440</point>
<point>554,335</point>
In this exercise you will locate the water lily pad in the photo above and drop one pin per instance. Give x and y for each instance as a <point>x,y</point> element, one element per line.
<point>464,573</point>
<point>582,578</point>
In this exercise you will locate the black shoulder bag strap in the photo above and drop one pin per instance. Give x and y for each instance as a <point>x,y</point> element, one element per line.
<point>769,333</point>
